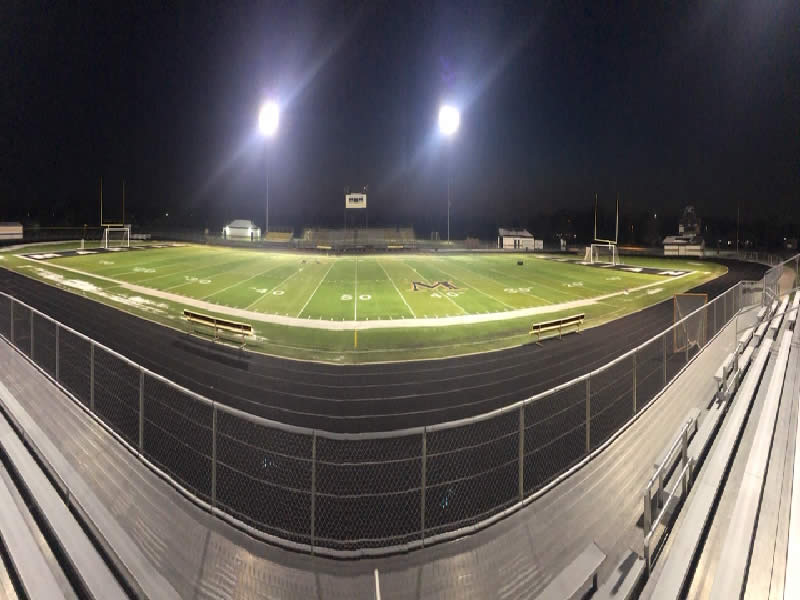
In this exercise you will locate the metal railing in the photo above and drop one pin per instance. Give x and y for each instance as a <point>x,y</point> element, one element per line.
<point>367,493</point>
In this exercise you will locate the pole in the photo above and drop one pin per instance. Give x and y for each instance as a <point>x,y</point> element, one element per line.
<point>266,208</point>
<point>123,202</point>
<point>448,196</point>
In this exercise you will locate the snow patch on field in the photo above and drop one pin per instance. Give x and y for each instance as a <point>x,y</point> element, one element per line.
<point>79,284</point>
<point>143,270</point>
<point>654,291</point>
<point>106,262</point>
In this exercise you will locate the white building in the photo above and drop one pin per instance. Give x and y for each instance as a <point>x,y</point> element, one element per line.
<point>517,239</point>
<point>688,242</point>
<point>241,229</point>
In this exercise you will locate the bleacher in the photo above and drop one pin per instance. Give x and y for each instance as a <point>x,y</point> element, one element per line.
<point>379,238</point>
<point>741,492</point>
<point>279,237</point>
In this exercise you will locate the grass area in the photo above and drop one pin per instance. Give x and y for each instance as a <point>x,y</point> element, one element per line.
<point>284,287</point>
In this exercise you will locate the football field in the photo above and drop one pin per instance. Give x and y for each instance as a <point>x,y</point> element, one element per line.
<point>428,304</point>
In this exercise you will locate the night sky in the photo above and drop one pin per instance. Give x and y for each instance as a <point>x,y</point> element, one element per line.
<point>666,103</point>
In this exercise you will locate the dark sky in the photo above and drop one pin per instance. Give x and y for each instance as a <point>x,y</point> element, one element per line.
<point>668,103</point>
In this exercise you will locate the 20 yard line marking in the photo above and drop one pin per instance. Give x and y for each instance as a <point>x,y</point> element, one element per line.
<point>315,289</point>
<point>355,295</point>
<point>397,290</point>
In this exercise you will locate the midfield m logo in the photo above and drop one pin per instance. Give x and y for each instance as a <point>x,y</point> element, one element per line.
<point>430,286</point>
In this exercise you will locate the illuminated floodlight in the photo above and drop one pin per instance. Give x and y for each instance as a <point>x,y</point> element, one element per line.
<point>268,118</point>
<point>449,119</point>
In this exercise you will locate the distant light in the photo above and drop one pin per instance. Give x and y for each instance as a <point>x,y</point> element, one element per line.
<point>449,119</point>
<point>268,118</point>
<point>655,216</point>
<point>166,214</point>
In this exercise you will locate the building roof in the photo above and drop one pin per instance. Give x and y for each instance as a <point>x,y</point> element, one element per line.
<point>504,232</point>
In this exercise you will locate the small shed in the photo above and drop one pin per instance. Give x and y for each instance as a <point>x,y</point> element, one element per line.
<point>241,229</point>
<point>515,239</point>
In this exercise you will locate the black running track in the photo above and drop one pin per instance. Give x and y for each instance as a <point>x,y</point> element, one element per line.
<point>378,397</point>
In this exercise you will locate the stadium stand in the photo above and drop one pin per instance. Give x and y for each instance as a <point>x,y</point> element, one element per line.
<point>578,578</point>
<point>97,579</point>
<point>738,541</point>
<point>378,238</point>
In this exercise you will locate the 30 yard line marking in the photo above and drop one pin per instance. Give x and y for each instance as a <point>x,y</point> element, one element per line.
<point>225,289</point>
<point>316,288</point>
<point>395,289</point>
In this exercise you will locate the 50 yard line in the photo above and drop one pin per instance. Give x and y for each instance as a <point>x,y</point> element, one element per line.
<point>355,295</point>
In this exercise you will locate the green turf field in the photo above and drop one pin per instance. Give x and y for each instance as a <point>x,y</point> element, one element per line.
<point>308,305</point>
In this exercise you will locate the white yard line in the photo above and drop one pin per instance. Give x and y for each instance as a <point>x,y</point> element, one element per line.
<point>396,290</point>
<point>479,290</point>
<point>316,288</point>
<point>265,294</point>
<point>355,295</point>
<point>233,285</point>
<point>244,313</point>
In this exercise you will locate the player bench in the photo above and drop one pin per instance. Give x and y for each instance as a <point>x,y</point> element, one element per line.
<point>559,325</point>
<point>217,325</point>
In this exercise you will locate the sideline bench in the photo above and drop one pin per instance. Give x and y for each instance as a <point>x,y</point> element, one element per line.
<point>573,581</point>
<point>557,325</point>
<point>218,325</point>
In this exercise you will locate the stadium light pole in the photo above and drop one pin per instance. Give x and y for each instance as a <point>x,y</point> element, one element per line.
<point>449,122</point>
<point>268,117</point>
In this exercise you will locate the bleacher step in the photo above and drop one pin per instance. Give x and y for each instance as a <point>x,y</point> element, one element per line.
<point>623,580</point>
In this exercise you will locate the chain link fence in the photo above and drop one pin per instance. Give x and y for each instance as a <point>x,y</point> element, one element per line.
<point>372,493</point>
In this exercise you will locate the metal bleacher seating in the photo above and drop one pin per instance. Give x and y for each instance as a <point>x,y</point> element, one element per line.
<point>96,577</point>
<point>579,577</point>
<point>738,540</point>
<point>697,510</point>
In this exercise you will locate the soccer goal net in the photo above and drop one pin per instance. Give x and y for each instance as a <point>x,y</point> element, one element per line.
<point>691,323</point>
<point>116,237</point>
<point>602,254</point>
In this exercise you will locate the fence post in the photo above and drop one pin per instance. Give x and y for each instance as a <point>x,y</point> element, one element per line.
<point>588,415</point>
<point>214,455</point>
<point>521,474</point>
<point>664,339</point>
<point>58,329</point>
<point>313,527</point>
<point>33,359</point>
<point>141,410</point>
<point>91,376</point>
<point>635,352</point>
<point>11,329</point>
<point>423,483</point>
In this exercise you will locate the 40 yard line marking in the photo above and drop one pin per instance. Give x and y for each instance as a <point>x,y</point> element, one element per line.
<point>225,289</point>
<point>396,290</point>
<point>262,296</point>
<point>316,288</point>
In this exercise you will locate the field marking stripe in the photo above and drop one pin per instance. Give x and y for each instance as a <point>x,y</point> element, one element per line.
<point>233,285</point>
<point>355,295</point>
<point>316,288</point>
<point>480,290</point>
<point>396,289</point>
<point>265,294</point>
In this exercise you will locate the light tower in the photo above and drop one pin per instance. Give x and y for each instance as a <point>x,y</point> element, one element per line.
<point>449,122</point>
<point>268,117</point>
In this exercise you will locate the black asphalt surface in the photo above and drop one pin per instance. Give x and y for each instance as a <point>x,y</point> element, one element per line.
<point>358,398</point>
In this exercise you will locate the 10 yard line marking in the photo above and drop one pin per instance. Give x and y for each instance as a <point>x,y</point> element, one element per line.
<point>315,289</point>
<point>396,290</point>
